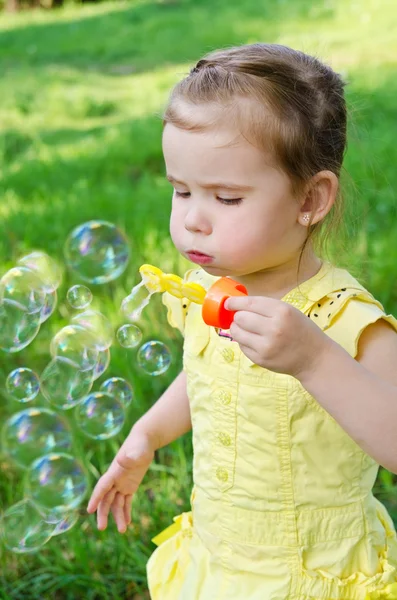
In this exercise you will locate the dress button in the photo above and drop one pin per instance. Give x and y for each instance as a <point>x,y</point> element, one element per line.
<point>224,397</point>
<point>222,474</point>
<point>224,438</point>
<point>228,355</point>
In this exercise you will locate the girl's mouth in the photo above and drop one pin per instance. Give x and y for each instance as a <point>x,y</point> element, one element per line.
<point>199,258</point>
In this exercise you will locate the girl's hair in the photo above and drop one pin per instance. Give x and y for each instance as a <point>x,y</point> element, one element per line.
<point>278,98</point>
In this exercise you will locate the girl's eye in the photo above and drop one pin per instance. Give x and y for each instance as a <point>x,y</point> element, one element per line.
<point>228,201</point>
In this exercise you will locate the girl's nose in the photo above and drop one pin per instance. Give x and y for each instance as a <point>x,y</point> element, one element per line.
<point>197,222</point>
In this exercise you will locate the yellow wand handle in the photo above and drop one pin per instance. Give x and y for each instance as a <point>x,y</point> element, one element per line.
<point>157,281</point>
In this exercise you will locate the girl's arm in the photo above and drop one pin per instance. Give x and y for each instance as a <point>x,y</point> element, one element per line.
<point>361,394</point>
<point>169,417</point>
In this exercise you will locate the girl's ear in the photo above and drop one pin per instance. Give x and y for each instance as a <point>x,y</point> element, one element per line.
<point>319,197</point>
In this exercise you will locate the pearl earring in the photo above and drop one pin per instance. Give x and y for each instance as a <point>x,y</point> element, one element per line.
<point>306,218</point>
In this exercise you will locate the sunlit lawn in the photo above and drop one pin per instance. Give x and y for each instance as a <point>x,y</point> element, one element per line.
<point>82,92</point>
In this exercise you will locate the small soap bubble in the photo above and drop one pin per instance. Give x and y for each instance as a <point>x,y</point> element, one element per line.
<point>63,384</point>
<point>23,385</point>
<point>102,363</point>
<point>77,345</point>
<point>56,482</point>
<point>18,328</point>
<point>100,416</point>
<point>45,267</point>
<point>23,528</point>
<point>129,336</point>
<point>154,357</point>
<point>32,432</point>
<point>98,325</point>
<point>119,388</point>
<point>24,288</point>
<point>98,251</point>
<point>79,296</point>
<point>133,305</point>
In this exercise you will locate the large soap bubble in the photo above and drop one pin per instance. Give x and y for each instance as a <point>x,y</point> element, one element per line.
<point>68,520</point>
<point>154,357</point>
<point>49,306</point>
<point>45,267</point>
<point>119,388</point>
<point>32,432</point>
<point>22,385</point>
<point>23,528</point>
<point>77,345</point>
<point>27,298</point>
<point>17,327</point>
<point>56,482</point>
<point>63,384</point>
<point>24,288</point>
<point>98,325</point>
<point>100,415</point>
<point>98,251</point>
<point>102,363</point>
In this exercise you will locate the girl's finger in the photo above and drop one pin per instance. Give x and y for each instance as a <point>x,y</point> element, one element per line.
<point>100,490</point>
<point>117,510</point>
<point>243,337</point>
<point>249,321</point>
<point>262,305</point>
<point>103,509</point>
<point>127,509</point>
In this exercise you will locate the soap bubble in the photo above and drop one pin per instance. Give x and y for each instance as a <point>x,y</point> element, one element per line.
<point>17,327</point>
<point>49,306</point>
<point>79,296</point>
<point>24,288</point>
<point>129,336</point>
<point>100,416</point>
<point>154,357</point>
<point>32,432</point>
<point>76,345</point>
<point>133,305</point>
<point>102,363</point>
<point>98,251</point>
<point>119,388</point>
<point>68,520</point>
<point>22,384</point>
<point>23,528</point>
<point>45,267</point>
<point>98,325</point>
<point>63,384</point>
<point>56,482</point>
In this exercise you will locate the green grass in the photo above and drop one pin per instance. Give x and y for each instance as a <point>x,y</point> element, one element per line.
<point>81,93</point>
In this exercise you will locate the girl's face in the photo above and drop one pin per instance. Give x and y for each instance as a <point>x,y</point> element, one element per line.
<point>230,203</point>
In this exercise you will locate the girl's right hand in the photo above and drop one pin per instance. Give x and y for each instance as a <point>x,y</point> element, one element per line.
<point>115,489</point>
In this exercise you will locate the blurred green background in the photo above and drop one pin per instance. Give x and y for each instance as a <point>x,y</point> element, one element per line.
<point>82,89</point>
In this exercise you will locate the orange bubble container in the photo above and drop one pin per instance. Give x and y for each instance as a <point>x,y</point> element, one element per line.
<point>214,312</point>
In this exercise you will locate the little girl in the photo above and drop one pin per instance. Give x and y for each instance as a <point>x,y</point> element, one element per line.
<point>293,409</point>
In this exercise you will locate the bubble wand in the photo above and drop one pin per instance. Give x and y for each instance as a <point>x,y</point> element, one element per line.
<point>213,301</point>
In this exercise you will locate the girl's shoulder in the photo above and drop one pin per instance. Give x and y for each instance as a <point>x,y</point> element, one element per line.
<point>342,307</point>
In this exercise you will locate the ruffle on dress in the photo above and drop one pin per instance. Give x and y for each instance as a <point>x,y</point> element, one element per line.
<point>167,566</point>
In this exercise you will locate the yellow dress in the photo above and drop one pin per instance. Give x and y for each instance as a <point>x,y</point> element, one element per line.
<point>282,506</point>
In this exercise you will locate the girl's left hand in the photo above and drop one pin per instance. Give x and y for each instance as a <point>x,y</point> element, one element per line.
<point>276,335</point>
